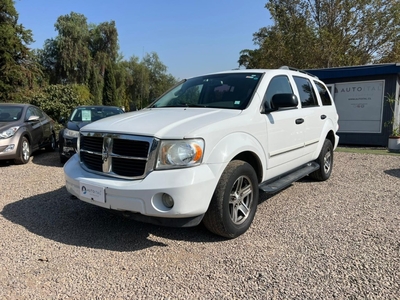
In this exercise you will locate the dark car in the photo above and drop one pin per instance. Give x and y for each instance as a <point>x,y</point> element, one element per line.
<point>24,128</point>
<point>80,116</point>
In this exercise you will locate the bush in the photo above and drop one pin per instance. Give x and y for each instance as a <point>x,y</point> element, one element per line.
<point>59,100</point>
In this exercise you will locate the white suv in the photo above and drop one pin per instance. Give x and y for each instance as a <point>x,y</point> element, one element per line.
<point>202,151</point>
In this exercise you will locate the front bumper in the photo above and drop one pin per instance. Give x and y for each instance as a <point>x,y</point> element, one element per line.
<point>190,188</point>
<point>68,147</point>
<point>9,148</point>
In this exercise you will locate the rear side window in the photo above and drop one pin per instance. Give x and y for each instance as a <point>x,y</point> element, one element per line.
<point>306,92</point>
<point>38,113</point>
<point>323,93</point>
<point>277,85</point>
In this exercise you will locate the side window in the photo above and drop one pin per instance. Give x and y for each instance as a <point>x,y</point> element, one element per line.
<point>38,113</point>
<point>30,112</point>
<point>323,93</point>
<point>306,92</point>
<point>278,85</point>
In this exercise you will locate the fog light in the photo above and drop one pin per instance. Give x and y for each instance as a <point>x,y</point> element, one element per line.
<point>68,149</point>
<point>167,200</point>
<point>9,148</point>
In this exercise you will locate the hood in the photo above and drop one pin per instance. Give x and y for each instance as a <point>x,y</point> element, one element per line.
<point>76,125</point>
<point>6,125</point>
<point>167,123</point>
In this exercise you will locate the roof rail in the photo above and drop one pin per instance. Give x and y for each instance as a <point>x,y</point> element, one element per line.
<point>298,70</point>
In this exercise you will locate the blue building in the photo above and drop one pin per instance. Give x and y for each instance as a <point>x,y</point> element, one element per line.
<point>360,94</point>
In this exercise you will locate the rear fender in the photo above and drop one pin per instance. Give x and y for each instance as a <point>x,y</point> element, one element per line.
<point>329,133</point>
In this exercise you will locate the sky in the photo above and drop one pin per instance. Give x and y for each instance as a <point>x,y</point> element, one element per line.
<point>190,37</point>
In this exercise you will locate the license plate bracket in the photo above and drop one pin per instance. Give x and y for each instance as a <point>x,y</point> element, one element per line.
<point>92,192</point>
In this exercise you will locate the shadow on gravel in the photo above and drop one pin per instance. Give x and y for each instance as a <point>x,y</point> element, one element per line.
<point>57,216</point>
<point>45,158</point>
<point>40,157</point>
<point>393,172</point>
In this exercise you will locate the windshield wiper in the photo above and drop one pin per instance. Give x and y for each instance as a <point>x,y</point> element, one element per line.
<point>182,105</point>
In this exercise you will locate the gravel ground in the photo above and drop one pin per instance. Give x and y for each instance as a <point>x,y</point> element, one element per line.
<point>335,239</point>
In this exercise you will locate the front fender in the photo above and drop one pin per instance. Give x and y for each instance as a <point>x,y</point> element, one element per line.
<point>25,132</point>
<point>229,147</point>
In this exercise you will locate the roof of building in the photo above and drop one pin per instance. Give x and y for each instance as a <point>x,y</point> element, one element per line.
<point>356,71</point>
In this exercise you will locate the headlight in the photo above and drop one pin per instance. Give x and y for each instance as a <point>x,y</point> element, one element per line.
<point>9,132</point>
<point>70,133</point>
<point>180,153</point>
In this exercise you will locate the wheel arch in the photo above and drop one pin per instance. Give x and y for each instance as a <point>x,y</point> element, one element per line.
<point>238,146</point>
<point>252,159</point>
<point>27,135</point>
<point>327,133</point>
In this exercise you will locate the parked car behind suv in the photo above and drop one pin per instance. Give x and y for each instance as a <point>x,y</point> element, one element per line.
<point>24,128</point>
<point>80,116</point>
<point>202,151</point>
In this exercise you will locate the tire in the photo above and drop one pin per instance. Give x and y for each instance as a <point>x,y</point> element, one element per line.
<point>230,213</point>
<point>63,159</point>
<point>53,145</point>
<point>325,160</point>
<point>24,151</point>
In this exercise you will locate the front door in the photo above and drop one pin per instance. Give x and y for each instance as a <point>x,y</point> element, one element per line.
<point>285,130</point>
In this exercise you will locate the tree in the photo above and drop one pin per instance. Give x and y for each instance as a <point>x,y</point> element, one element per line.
<point>17,65</point>
<point>109,88</point>
<point>159,80</point>
<point>104,44</point>
<point>67,57</point>
<point>325,33</point>
<point>137,85</point>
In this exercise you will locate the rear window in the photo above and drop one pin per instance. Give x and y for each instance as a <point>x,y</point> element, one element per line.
<point>323,93</point>
<point>306,91</point>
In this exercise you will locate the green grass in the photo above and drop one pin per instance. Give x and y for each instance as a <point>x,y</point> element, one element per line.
<point>366,150</point>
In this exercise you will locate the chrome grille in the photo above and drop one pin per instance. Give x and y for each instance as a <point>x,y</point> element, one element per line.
<point>122,156</point>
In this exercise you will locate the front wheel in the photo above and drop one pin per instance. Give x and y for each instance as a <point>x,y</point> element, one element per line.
<point>52,145</point>
<point>325,160</point>
<point>234,202</point>
<point>24,151</point>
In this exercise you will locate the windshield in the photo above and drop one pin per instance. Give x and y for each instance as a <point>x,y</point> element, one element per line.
<point>230,90</point>
<point>91,114</point>
<point>10,113</point>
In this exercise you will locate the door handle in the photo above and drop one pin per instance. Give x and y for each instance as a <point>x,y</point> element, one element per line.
<point>323,117</point>
<point>299,121</point>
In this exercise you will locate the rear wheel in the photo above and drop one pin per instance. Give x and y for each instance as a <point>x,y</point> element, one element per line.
<point>234,202</point>
<point>325,160</point>
<point>24,151</point>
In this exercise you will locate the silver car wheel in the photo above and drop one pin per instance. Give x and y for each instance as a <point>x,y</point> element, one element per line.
<point>241,198</point>
<point>25,150</point>
<point>327,162</point>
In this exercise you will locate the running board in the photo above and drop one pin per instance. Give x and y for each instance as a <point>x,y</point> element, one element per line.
<point>282,182</point>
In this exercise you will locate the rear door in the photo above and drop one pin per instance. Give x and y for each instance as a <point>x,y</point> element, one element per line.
<point>313,115</point>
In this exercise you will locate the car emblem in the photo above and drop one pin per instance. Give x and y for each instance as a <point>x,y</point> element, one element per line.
<point>105,154</point>
<point>106,146</point>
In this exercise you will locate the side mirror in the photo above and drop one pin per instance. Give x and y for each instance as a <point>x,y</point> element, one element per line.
<point>281,101</point>
<point>33,118</point>
<point>62,120</point>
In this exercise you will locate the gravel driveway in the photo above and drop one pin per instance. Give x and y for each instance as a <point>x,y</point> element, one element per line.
<point>335,239</point>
